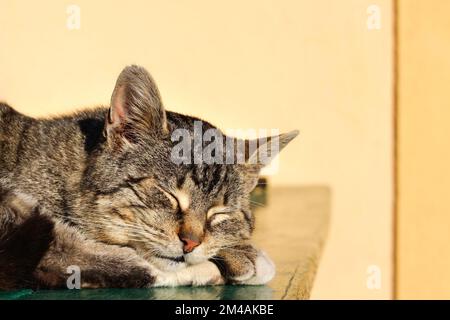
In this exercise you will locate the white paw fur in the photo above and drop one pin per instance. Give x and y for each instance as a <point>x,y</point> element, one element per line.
<point>202,274</point>
<point>264,270</point>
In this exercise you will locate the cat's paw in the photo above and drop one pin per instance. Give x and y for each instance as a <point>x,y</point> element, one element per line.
<point>264,270</point>
<point>246,265</point>
<point>202,274</point>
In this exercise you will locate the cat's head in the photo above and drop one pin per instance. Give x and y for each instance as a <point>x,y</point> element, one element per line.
<point>143,197</point>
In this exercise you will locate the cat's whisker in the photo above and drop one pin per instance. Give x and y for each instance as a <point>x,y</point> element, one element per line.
<point>258,204</point>
<point>253,201</point>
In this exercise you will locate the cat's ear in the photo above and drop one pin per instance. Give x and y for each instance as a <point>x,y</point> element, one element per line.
<point>136,108</point>
<point>260,152</point>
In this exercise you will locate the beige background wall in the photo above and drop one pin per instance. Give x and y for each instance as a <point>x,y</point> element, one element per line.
<point>308,65</point>
<point>424,153</point>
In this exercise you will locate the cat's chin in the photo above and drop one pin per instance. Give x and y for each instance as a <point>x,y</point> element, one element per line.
<point>167,265</point>
<point>192,259</point>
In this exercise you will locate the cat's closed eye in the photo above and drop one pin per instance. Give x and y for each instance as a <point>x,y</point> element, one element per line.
<point>216,210</point>
<point>217,214</point>
<point>172,198</point>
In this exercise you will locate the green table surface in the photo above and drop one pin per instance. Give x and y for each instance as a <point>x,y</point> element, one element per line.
<point>291,226</point>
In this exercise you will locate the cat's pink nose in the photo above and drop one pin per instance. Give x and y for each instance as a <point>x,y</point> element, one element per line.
<point>189,244</point>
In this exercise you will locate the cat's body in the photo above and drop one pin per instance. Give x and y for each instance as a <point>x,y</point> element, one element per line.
<point>99,190</point>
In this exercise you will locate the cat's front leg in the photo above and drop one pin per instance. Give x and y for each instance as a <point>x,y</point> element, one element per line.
<point>100,265</point>
<point>245,265</point>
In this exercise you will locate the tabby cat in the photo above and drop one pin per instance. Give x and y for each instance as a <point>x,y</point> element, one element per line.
<point>98,190</point>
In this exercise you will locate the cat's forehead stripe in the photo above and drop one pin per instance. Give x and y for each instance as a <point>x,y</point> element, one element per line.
<point>183,199</point>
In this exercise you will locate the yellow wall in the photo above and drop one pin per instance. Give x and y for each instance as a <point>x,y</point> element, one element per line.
<point>424,152</point>
<point>292,64</point>
<point>358,130</point>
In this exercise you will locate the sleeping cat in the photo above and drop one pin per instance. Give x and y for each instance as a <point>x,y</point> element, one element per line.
<point>99,190</point>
